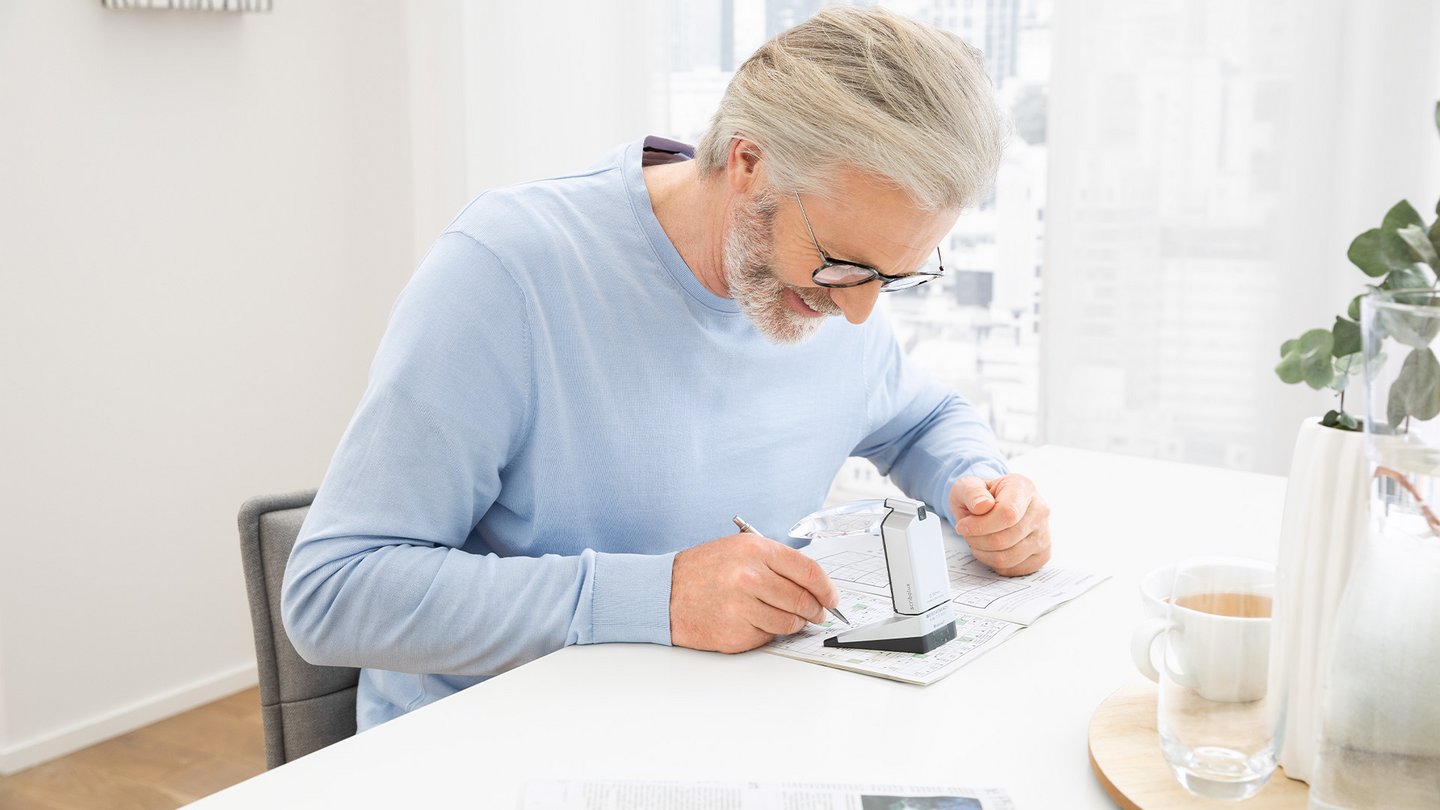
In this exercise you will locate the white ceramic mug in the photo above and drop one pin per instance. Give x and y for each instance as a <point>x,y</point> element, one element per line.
<point>1155,591</point>
<point>1222,657</point>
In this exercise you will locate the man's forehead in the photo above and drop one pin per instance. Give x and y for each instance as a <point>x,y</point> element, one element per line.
<point>870,220</point>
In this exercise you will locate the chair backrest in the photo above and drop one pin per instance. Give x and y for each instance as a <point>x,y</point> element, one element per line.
<point>305,707</point>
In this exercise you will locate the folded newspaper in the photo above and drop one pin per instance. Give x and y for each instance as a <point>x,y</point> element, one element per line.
<point>989,608</point>
<point>635,795</point>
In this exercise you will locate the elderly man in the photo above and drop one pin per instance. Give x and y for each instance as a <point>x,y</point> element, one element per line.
<point>588,375</point>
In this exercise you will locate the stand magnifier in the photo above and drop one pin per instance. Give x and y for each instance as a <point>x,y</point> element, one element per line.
<point>919,585</point>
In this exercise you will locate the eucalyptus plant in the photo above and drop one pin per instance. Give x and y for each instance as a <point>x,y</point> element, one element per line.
<point>1402,254</point>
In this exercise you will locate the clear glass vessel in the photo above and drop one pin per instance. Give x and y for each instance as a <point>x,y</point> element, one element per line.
<point>1380,706</point>
<point>1221,705</point>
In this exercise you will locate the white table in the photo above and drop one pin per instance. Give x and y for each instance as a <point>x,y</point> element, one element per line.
<point>1015,719</point>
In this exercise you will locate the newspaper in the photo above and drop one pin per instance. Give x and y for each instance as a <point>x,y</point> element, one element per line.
<point>989,609</point>
<point>858,562</point>
<point>975,636</point>
<point>637,795</point>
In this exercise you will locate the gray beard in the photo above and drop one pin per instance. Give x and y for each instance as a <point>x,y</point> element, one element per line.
<point>754,284</point>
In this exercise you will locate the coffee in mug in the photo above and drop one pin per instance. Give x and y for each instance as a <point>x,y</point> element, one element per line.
<point>1235,605</point>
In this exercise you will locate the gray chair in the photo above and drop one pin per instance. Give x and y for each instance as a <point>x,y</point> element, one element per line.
<point>305,707</point>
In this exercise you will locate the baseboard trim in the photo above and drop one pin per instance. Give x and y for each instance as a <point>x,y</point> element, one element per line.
<point>22,755</point>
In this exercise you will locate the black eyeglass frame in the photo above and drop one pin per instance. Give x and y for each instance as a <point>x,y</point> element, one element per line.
<point>888,283</point>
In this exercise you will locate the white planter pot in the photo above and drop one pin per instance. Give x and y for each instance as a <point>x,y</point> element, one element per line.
<point>1325,521</point>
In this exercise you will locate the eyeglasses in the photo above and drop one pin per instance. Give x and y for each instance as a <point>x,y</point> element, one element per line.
<point>838,273</point>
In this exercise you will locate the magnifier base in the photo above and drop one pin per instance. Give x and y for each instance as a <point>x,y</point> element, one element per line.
<point>911,634</point>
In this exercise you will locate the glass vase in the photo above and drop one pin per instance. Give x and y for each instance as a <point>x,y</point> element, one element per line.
<point>1379,741</point>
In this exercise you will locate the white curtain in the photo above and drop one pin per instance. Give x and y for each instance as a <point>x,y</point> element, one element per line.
<point>1210,162</point>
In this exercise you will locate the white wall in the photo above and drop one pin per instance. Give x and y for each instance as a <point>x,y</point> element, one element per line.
<point>3,736</point>
<point>204,219</point>
<point>579,77</point>
<point>437,115</point>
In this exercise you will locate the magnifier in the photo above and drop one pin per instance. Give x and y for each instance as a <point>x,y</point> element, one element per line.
<point>915,559</point>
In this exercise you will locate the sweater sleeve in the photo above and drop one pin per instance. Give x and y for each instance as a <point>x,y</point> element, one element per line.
<point>378,577</point>
<point>923,435</point>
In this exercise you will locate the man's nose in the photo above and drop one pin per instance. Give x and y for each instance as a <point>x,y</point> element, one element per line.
<point>857,302</point>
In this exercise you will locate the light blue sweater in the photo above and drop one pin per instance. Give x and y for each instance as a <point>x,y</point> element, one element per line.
<point>558,406</point>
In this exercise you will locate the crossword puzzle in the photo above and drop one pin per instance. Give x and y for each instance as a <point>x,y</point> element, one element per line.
<point>974,585</point>
<point>857,566</point>
<point>971,583</point>
<point>975,635</point>
<point>988,608</point>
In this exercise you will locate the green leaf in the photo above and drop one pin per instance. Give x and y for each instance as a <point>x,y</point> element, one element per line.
<point>1340,420</point>
<point>1400,215</point>
<point>1288,369</point>
<point>1435,231</point>
<point>1377,252</point>
<point>1350,364</point>
<point>1419,243</point>
<point>1315,346</point>
<point>1413,329</point>
<point>1340,377</point>
<point>1346,337</point>
<point>1308,360</point>
<point>1419,384</point>
<point>1354,309</point>
<point>1413,276</point>
<point>1287,346</point>
<point>1395,407</point>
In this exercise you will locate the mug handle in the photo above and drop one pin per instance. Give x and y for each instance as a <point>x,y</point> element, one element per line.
<point>1142,644</point>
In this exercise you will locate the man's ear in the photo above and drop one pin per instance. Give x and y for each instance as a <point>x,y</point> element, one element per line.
<point>742,169</point>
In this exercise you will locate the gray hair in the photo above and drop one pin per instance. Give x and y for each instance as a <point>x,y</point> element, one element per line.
<point>871,90</point>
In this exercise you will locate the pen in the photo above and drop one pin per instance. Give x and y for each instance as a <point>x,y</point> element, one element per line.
<point>747,528</point>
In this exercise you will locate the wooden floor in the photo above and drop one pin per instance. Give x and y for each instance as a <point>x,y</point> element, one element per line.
<point>164,765</point>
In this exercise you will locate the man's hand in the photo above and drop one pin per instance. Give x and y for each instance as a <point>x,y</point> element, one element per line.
<point>1006,523</point>
<point>738,592</point>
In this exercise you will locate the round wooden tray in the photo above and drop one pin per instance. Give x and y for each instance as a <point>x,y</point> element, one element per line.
<point>1125,753</point>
